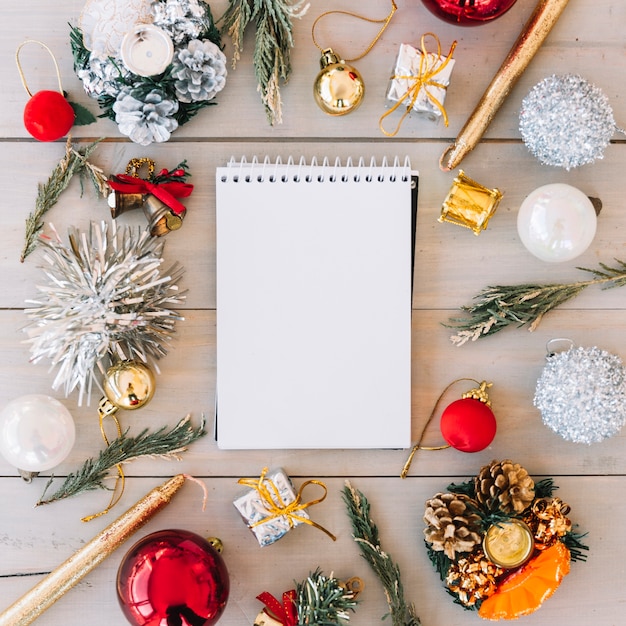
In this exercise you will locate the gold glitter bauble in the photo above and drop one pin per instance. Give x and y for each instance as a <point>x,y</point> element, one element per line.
<point>338,88</point>
<point>129,384</point>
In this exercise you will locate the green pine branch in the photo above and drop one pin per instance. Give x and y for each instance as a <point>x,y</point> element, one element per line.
<point>74,162</point>
<point>321,600</point>
<point>94,471</point>
<point>365,533</point>
<point>497,307</point>
<point>273,43</point>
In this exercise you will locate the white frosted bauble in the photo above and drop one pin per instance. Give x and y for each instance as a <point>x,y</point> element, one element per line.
<point>37,432</point>
<point>556,222</point>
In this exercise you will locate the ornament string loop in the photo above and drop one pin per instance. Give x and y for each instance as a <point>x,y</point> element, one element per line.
<point>558,344</point>
<point>479,393</point>
<point>384,21</point>
<point>428,70</point>
<point>275,505</point>
<point>21,71</point>
<point>285,612</point>
<point>107,409</point>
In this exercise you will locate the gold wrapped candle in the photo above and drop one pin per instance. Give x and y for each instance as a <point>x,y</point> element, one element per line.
<point>43,595</point>
<point>509,544</point>
<point>544,17</point>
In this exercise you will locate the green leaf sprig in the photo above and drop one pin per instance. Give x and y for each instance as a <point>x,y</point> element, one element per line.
<point>497,307</point>
<point>94,471</point>
<point>273,43</point>
<point>365,533</point>
<point>74,162</point>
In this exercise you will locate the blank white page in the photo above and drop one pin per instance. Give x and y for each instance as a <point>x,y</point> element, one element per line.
<point>313,306</point>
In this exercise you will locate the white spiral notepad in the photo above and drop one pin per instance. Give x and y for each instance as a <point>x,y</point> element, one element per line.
<point>314,270</point>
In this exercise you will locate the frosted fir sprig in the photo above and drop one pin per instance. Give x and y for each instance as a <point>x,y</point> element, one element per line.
<point>365,533</point>
<point>94,472</point>
<point>497,307</point>
<point>273,43</point>
<point>75,161</point>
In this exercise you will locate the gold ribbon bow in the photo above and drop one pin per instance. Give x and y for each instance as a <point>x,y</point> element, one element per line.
<point>424,79</point>
<point>275,505</point>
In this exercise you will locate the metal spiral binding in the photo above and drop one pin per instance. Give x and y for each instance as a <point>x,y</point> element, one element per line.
<point>303,172</point>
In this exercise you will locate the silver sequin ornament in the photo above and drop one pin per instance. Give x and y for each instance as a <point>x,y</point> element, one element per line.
<point>581,394</point>
<point>565,121</point>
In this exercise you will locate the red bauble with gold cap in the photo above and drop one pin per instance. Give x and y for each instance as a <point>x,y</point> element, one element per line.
<point>468,12</point>
<point>468,425</point>
<point>173,578</point>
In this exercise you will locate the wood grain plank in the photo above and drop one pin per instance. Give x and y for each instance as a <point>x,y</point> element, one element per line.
<point>397,508</point>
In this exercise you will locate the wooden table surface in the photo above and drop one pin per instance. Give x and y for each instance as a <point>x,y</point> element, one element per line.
<point>451,265</point>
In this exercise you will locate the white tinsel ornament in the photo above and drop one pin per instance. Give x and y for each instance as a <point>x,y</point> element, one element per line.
<point>105,297</point>
<point>565,121</point>
<point>581,394</point>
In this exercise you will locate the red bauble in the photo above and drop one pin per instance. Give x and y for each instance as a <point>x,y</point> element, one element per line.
<point>468,12</point>
<point>48,115</point>
<point>173,578</point>
<point>468,425</point>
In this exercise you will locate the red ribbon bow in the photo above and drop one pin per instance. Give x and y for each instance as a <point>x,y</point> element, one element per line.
<point>165,192</point>
<point>286,613</point>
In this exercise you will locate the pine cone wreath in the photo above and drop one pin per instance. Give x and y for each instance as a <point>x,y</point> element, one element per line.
<point>452,524</point>
<point>506,486</point>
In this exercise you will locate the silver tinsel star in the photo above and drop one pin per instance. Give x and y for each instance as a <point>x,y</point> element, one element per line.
<point>105,297</point>
<point>581,394</point>
<point>566,121</point>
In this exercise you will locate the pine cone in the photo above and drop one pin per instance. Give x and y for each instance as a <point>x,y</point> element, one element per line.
<point>451,525</point>
<point>145,119</point>
<point>505,485</point>
<point>200,71</point>
<point>473,578</point>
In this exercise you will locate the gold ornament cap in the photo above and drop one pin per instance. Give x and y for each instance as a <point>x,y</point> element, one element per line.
<point>129,385</point>
<point>338,88</point>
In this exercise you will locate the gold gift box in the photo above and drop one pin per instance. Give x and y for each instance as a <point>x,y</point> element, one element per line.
<point>469,204</point>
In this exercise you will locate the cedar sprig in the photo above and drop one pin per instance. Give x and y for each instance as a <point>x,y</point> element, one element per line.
<point>74,162</point>
<point>273,43</point>
<point>497,307</point>
<point>365,533</point>
<point>94,471</point>
<point>323,600</point>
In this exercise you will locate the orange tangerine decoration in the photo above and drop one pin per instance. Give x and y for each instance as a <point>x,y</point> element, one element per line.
<point>524,591</point>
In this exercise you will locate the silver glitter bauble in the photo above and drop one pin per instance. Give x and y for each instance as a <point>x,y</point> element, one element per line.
<point>581,394</point>
<point>566,121</point>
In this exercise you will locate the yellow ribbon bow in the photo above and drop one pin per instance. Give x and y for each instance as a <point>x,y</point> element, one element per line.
<point>422,80</point>
<point>275,505</point>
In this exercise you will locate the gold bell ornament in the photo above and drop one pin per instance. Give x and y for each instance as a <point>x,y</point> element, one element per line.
<point>127,385</point>
<point>156,195</point>
<point>339,88</point>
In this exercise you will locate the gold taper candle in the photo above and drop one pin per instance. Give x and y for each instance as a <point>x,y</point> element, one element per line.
<point>33,603</point>
<point>540,23</point>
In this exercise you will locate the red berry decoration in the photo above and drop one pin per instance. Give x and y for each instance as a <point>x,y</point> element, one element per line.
<point>48,115</point>
<point>468,12</point>
<point>173,578</point>
<point>468,425</point>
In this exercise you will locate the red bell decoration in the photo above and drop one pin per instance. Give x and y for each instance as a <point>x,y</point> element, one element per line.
<point>173,578</point>
<point>468,424</point>
<point>47,115</point>
<point>468,12</point>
